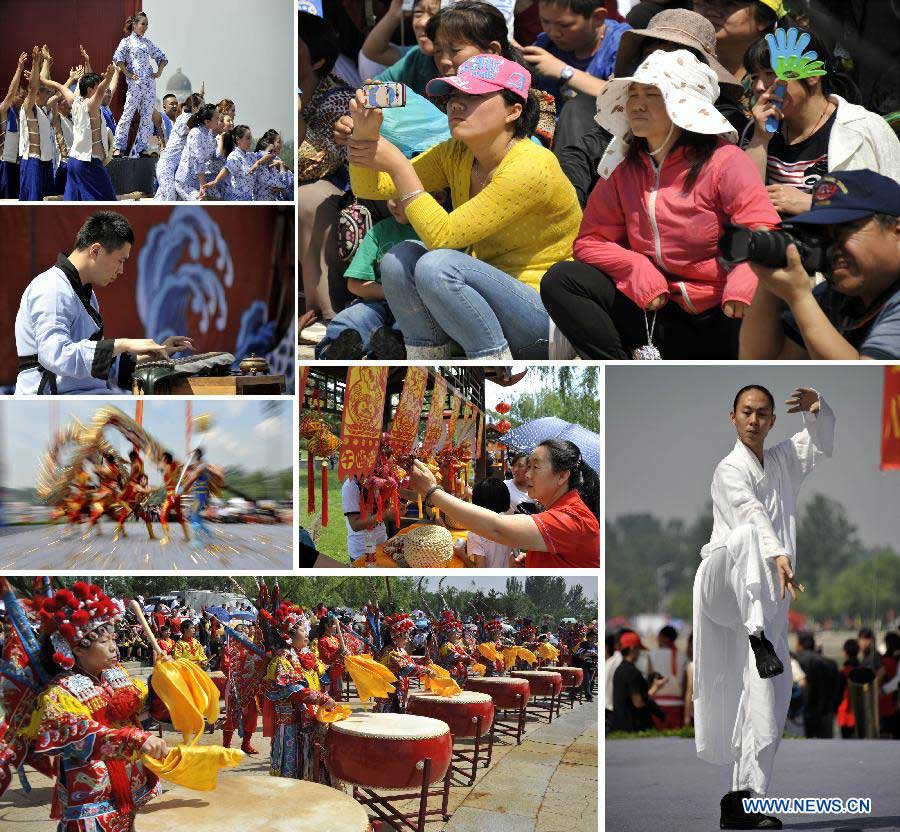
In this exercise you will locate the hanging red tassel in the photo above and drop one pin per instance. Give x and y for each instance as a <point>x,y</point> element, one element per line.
<point>324,492</point>
<point>310,483</point>
<point>397,508</point>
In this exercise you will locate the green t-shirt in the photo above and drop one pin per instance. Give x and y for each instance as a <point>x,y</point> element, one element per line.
<point>382,237</point>
<point>414,69</point>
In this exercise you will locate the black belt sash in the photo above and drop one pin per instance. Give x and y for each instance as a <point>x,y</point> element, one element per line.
<point>48,379</point>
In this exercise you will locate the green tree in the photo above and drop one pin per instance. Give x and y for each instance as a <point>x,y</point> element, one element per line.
<point>570,393</point>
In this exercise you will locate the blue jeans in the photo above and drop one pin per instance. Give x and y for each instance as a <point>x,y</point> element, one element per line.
<point>365,316</point>
<point>444,295</point>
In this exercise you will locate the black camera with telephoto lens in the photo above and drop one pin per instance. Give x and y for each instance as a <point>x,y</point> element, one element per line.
<point>769,248</point>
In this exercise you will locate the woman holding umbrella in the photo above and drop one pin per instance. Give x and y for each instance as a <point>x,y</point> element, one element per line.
<point>566,534</point>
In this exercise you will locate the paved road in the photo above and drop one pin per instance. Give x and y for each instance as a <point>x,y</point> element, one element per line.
<point>661,785</point>
<point>233,546</point>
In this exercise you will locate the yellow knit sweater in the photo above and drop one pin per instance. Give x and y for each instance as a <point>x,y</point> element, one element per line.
<point>523,222</point>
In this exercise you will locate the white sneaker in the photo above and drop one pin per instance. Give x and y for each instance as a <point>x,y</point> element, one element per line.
<point>313,333</point>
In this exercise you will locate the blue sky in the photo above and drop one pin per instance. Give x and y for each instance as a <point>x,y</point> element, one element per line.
<point>243,433</point>
<point>589,583</point>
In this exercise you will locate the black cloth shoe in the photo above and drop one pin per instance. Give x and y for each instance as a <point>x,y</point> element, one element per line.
<point>387,344</point>
<point>767,662</point>
<point>733,815</point>
<point>348,346</point>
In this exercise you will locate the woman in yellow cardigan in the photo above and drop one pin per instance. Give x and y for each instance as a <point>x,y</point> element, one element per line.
<point>474,278</point>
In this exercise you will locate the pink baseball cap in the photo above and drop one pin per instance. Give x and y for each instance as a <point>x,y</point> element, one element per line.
<point>481,74</point>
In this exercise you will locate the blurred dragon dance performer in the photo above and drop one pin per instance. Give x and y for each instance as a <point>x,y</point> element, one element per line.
<point>172,504</point>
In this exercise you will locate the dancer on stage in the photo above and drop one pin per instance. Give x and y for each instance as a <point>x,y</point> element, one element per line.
<point>395,658</point>
<point>59,331</point>
<point>9,133</point>
<point>170,158</point>
<point>240,168</point>
<point>742,592</point>
<point>132,57</point>
<point>452,654</point>
<point>87,179</point>
<point>200,149</point>
<point>35,136</point>
<point>87,718</point>
<point>172,503</point>
<point>293,695</point>
<point>331,654</point>
<point>245,670</point>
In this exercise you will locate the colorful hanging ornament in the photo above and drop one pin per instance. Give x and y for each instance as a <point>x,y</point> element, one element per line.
<point>503,426</point>
<point>503,408</point>
<point>321,442</point>
<point>381,487</point>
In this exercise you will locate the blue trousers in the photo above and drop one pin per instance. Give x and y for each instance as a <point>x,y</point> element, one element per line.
<point>444,295</point>
<point>363,316</point>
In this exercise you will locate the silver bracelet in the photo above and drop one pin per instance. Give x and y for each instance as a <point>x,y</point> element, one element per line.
<point>412,194</point>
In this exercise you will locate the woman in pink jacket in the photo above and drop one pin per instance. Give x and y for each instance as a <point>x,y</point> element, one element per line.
<point>646,271</point>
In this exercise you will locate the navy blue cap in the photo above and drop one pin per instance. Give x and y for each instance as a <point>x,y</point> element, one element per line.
<point>851,195</point>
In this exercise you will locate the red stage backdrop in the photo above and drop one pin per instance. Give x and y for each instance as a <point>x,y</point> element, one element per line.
<point>249,247</point>
<point>890,427</point>
<point>63,25</point>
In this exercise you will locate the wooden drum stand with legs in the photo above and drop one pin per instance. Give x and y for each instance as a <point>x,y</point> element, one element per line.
<point>572,680</point>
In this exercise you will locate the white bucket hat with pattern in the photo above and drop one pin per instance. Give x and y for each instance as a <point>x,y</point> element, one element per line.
<point>689,89</point>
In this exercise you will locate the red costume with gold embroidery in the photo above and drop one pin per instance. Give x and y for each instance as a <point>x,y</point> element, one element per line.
<point>245,670</point>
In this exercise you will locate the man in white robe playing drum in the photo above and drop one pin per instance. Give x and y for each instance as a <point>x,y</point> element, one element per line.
<point>742,592</point>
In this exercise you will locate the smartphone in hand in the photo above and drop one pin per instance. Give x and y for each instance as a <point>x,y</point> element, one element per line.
<point>384,95</point>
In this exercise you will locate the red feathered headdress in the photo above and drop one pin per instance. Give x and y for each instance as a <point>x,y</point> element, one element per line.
<point>399,623</point>
<point>286,619</point>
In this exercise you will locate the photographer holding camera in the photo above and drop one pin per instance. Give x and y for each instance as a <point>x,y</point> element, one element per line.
<point>851,235</point>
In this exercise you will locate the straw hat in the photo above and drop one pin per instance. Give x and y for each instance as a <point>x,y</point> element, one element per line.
<point>428,546</point>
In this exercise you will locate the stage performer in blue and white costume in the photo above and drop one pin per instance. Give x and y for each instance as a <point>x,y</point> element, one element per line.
<point>59,332</point>
<point>171,156</point>
<point>742,592</point>
<point>133,57</point>
<point>199,150</point>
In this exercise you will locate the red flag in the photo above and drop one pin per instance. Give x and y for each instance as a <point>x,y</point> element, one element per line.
<point>361,420</point>
<point>435,414</point>
<point>409,410</point>
<point>890,419</point>
<point>455,402</point>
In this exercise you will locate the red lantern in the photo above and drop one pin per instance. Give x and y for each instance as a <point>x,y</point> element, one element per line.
<point>503,408</point>
<point>503,426</point>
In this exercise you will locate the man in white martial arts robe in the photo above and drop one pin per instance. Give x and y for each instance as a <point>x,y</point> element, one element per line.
<point>742,592</point>
<point>59,331</point>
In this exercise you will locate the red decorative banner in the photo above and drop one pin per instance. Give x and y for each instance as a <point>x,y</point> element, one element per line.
<point>406,417</point>
<point>478,435</point>
<point>455,402</point>
<point>890,418</point>
<point>301,389</point>
<point>467,430</point>
<point>361,420</point>
<point>435,414</point>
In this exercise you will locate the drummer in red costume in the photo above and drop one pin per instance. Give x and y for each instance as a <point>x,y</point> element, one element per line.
<point>400,663</point>
<point>172,503</point>
<point>331,654</point>
<point>245,671</point>
<point>293,695</point>
<point>87,717</point>
<point>453,655</point>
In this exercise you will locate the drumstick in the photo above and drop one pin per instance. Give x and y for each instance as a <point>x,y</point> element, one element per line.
<point>139,614</point>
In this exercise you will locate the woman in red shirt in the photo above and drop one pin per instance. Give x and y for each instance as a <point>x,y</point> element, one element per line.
<point>566,534</point>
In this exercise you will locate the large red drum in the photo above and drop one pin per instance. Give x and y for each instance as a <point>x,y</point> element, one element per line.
<point>460,712</point>
<point>572,677</point>
<point>220,680</point>
<point>387,751</point>
<point>507,693</point>
<point>542,682</point>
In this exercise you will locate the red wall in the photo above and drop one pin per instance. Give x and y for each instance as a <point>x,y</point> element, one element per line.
<point>31,237</point>
<point>63,25</point>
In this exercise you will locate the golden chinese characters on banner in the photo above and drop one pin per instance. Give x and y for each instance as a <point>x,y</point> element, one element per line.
<point>455,402</point>
<point>361,420</point>
<point>435,414</point>
<point>406,417</point>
